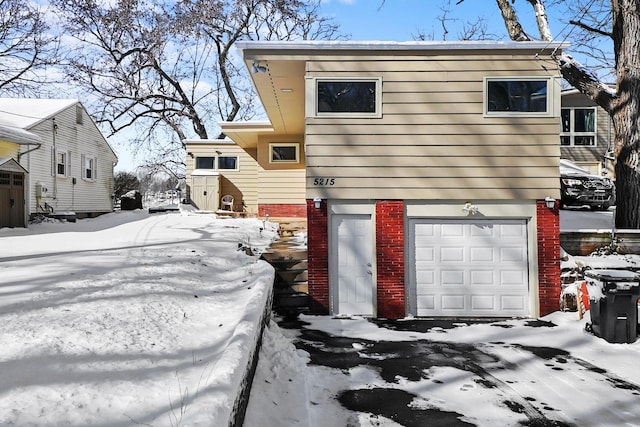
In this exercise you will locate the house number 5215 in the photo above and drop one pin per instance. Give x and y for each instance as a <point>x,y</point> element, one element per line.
<point>324,182</point>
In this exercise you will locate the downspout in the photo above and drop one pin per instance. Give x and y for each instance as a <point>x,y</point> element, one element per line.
<point>55,161</point>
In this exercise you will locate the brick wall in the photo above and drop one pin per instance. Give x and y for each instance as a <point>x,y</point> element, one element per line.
<point>390,258</point>
<point>282,210</point>
<point>548,257</point>
<point>318,257</point>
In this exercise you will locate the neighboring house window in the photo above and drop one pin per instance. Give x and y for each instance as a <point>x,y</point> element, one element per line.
<point>61,166</point>
<point>284,153</point>
<point>227,162</point>
<point>89,165</point>
<point>347,97</point>
<point>510,96</point>
<point>578,126</point>
<point>205,162</point>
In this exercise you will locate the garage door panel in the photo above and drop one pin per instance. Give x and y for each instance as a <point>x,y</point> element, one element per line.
<point>481,254</point>
<point>513,254</point>
<point>470,267</point>
<point>452,277</point>
<point>483,302</point>
<point>451,230</point>
<point>512,302</point>
<point>513,278</point>
<point>452,254</point>
<point>482,277</point>
<point>453,302</point>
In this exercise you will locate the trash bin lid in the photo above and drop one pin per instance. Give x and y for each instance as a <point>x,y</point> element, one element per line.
<point>613,275</point>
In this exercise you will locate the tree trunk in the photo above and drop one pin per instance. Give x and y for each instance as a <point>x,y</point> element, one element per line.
<point>626,111</point>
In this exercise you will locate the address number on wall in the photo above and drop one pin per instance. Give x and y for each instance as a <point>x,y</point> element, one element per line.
<point>324,182</point>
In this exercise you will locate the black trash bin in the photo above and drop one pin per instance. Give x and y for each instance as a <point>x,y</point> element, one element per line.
<point>613,297</point>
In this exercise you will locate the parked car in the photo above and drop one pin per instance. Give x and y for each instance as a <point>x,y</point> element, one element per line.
<point>581,188</point>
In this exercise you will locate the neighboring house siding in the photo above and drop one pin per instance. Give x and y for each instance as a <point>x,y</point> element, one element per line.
<point>241,184</point>
<point>432,141</point>
<point>590,155</point>
<point>86,197</point>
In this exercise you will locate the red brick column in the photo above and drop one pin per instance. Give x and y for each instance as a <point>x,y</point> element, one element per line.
<point>548,257</point>
<point>390,258</point>
<point>318,257</point>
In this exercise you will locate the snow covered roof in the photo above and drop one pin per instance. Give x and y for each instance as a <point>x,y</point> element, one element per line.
<point>395,45</point>
<point>18,136</point>
<point>25,113</point>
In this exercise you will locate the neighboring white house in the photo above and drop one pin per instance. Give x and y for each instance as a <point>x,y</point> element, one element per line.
<point>69,163</point>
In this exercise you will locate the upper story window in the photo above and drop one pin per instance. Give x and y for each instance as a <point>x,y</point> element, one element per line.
<point>578,126</point>
<point>284,152</point>
<point>517,96</point>
<point>347,97</point>
<point>217,163</point>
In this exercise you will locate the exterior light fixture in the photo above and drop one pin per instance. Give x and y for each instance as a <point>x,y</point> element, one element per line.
<point>257,68</point>
<point>316,202</point>
<point>469,209</point>
<point>550,202</point>
<point>190,154</point>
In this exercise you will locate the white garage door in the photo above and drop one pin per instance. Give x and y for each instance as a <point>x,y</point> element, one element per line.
<point>470,267</point>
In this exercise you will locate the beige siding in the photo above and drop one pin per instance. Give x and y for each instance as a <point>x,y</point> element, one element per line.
<point>433,141</point>
<point>84,196</point>
<point>8,149</point>
<point>281,183</point>
<point>241,184</point>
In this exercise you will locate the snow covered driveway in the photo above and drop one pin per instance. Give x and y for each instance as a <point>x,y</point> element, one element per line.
<point>547,372</point>
<point>129,318</point>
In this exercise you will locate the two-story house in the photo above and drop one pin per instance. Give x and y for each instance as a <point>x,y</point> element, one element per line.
<point>431,171</point>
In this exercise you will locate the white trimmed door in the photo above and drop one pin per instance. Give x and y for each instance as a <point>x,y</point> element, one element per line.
<point>470,267</point>
<point>353,240</point>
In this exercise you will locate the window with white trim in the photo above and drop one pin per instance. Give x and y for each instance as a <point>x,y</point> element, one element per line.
<point>347,97</point>
<point>60,163</point>
<point>578,126</point>
<point>284,152</point>
<point>217,162</point>
<point>227,162</point>
<point>517,96</point>
<point>89,167</point>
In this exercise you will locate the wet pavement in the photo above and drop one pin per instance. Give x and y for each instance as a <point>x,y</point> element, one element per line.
<point>538,385</point>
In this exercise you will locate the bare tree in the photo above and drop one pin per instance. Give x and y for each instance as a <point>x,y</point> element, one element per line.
<point>167,71</point>
<point>26,47</point>
<point>622,104</point>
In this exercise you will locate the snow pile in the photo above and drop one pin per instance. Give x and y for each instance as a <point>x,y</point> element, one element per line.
<point>129,318</point>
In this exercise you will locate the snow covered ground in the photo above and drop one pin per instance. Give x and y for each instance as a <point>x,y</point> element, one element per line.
<point>506,373</point>
<point>139,319</point>
<point>129,318</point>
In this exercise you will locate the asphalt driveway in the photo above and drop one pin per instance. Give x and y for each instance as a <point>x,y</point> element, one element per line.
<point>446,373</point>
